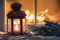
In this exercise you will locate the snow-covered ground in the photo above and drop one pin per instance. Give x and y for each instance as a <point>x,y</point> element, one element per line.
<point>29,38</point>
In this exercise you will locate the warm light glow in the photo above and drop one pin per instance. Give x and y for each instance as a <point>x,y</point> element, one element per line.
<point>3,32</point>
<point>29,17</point>
<point>16,21</point>
<point>16,27</point>
<point>40,16</point>
<point>27,12</point>
<point>51,18</point>
<point>46,10</point>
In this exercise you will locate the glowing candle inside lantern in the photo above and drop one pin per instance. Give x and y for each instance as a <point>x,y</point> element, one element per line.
<point>16,27</point>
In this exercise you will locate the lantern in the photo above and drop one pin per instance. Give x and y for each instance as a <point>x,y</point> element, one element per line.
<point>16,23</point>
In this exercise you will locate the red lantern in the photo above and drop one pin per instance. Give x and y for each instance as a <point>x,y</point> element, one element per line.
<point>16,23</point>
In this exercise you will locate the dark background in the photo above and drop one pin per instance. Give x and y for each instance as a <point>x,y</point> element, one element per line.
<point>1,15</point>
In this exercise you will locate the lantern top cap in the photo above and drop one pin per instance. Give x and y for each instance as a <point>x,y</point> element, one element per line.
<point>16,12</point>
<point>16,6</point>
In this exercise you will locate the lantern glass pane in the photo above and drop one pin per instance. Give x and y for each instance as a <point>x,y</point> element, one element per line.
<point>16,24</point>
<point>24,25</point>
<point>9,25</point>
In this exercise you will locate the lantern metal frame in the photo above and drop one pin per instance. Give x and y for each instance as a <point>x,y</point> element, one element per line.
<point>12,27</point>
